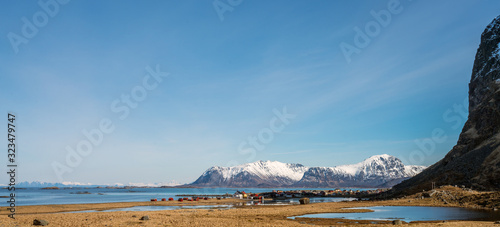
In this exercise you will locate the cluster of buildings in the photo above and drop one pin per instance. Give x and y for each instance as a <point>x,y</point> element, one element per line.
<point>244,195</point>
<point>280,194</point>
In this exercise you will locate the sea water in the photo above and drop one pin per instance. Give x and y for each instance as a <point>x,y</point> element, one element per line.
<point>38,196</point>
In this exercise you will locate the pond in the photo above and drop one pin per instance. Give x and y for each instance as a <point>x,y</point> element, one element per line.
<point>156,208</point>
<point>412,213</point>
<point>295,201</point>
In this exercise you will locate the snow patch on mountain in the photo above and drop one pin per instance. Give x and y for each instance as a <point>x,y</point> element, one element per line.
<point>412,170</point>
<point>367,165</point>
<point>263,169</point>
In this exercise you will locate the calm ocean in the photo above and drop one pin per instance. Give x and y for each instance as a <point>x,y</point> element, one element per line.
<point>38,196</point>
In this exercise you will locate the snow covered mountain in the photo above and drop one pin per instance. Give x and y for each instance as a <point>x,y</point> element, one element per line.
<point>255,174</point>
<point>372,172</point>
<point>26,184</point>
<point>412,170</point>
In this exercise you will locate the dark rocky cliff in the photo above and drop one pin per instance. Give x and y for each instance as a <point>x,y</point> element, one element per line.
<point>475,160</point>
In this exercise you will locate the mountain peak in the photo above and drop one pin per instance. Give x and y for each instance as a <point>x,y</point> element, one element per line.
<point>380,156</point>
<point>493,26</point>
<point>267,162</point>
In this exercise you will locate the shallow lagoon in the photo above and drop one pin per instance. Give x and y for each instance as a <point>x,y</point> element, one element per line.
<point>412,213</point>
<point>294,201</point>
<point>277,202</point>
<point>157,208</point>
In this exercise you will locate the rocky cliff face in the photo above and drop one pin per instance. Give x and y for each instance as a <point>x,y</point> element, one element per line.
<point>475,160</point>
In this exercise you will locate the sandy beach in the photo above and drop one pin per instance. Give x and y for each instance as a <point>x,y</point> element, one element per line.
<point>241,215</point>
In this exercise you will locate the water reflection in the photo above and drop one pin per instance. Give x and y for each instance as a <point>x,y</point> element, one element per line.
<point>293,201</point>
<point>157,208</point>
<point>412,213</point>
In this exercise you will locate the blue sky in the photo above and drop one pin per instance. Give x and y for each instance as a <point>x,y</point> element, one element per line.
<point>227,78</point>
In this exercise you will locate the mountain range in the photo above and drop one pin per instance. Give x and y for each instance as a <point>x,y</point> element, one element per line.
<point>379,170</point>
<point>38,184</point>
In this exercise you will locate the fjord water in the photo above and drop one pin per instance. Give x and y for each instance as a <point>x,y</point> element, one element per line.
<point>38,196</point>
<point>412,213</point>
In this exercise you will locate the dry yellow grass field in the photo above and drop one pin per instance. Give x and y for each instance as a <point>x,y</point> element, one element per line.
<point>273,215</point>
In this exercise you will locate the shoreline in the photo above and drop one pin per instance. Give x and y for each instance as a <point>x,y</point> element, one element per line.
<point>241,215</point>
<point>59,208</point>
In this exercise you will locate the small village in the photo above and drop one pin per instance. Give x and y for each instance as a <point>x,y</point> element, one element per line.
<point>283,195</point>
<point>279,194</point>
